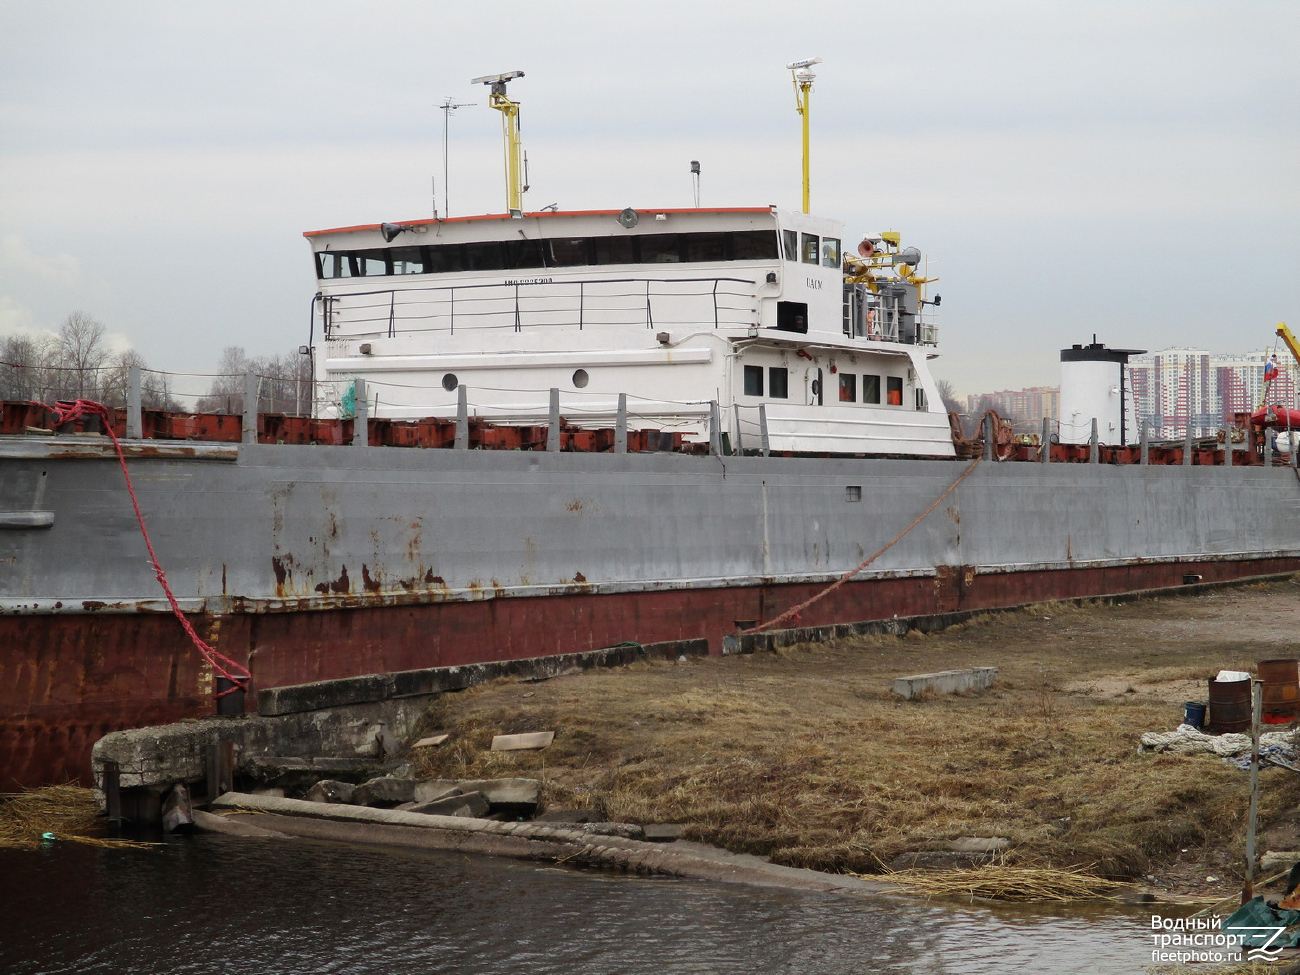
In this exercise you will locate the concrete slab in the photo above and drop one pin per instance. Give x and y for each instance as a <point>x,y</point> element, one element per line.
<point>528,741</point>
<point>432,741</point>
<point>945,682</point>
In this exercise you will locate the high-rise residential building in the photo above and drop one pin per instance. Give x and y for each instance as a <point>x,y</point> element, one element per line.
<point>1180,388</point>
<point>1026,406</point>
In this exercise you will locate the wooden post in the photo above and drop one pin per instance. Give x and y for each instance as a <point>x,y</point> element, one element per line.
<point>1257,707</point>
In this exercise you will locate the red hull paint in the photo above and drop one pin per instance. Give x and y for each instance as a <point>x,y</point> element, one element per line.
<point>77,678</point>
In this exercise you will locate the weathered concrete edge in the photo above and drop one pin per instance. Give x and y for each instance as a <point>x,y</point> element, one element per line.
<point>773,640</point>
<point>530,841</point>
<point>371,688</point>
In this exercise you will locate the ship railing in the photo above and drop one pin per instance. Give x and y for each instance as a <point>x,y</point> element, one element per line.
<point>539,302</point>
<point>279,384</point>
<point>750,429</point>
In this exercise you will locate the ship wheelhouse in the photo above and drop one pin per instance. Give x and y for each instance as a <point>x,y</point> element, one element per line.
<point>754,313</point>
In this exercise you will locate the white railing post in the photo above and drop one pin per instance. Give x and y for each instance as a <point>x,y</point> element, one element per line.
<point>462,420</point>
<point>553,428</point>
<point>360,414</point>
<point>248,433</point>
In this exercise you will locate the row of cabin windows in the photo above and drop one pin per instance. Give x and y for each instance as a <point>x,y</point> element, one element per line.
<point>516,255</point>
<point>778,386</point>
<point>870,389</point>
<point>811,249</point>
<point>778,381</point>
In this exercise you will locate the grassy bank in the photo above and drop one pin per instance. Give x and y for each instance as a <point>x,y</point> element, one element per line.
<point>805,755</point>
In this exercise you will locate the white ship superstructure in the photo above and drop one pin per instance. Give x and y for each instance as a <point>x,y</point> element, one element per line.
<point>753,314</point>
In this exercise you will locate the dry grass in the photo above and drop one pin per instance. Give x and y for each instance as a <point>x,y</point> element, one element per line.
<point>805,755</point>
<point>997,882</point>
<point>67,812</point>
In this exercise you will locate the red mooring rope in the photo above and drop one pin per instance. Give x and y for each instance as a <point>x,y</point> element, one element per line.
<point>793,612</point>
<point>238,676</point>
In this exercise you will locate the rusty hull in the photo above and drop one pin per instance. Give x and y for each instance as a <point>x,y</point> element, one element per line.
<point>84,676</point>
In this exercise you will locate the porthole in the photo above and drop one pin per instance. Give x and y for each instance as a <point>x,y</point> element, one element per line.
<point>450,382</point>
<point>580,378</point>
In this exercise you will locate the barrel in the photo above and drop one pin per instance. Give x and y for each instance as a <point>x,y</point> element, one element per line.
<point>1229,706</point>
<point>1194,714</point>
<point>1281,689</point>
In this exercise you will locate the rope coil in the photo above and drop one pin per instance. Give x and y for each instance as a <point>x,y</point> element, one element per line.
<point>239,676</point>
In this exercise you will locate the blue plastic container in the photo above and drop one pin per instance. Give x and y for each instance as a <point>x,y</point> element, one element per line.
<point>1194,714</point>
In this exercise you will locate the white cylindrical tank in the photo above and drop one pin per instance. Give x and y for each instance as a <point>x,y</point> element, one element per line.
<point>1095,384</point>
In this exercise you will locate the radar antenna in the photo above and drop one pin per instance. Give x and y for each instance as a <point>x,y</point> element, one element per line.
<point>803,75</point>
<point>515,177</point>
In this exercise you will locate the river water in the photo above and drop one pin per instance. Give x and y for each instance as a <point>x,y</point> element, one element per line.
<point>217,904</point>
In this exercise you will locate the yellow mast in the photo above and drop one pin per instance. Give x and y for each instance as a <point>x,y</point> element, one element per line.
<point>1289,339</point>
<point>515,186</point>
<point>803,75</point>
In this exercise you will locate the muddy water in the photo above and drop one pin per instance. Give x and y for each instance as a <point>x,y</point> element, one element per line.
<point>215,904</point>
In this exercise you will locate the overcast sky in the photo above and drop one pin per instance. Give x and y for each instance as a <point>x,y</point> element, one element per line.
<point>1124,168</point>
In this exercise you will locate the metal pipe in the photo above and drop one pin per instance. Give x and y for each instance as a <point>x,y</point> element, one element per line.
<point>1094,452</point>
<point>1045,448</point>
<point>762,426</point>
<point>715,434</point>
<point>1187,445</point>
<point>1145,457</point>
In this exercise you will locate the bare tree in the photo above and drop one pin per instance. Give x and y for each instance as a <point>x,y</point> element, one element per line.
<point>82,354</point>
<point>23,362</point>
<point>948,395</point>
<point>284,383</point>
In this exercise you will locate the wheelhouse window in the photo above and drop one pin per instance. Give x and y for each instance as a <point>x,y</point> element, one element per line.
<point>613,250</point>
<point>848,388</point>
<point>790,243</point>
<point>660,249</point>
<point>408,260</point>
<point>778,382</point>
<point>705,247</point>
<point>830,252</point>
<point>509,255</point>
<point>569,253</point>
<point>809,248</point>
<point>895,391</point>
<point>753,380</point>
<point>871,389</point>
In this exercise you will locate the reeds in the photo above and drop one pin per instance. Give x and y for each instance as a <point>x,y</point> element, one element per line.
<point>1004,883</point>
<point>56,812</point>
